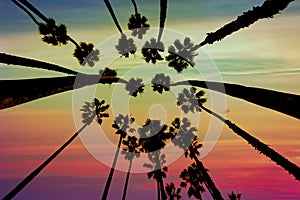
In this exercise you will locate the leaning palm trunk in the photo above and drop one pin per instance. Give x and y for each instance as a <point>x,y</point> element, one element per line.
<point>267,10</point>
<point>112,170</point>
<point>34,173</point>
<point>17,60</point>
<point>210,185</point>
<point>111,12</point>
<point>260,146</point>
<point>282,102</point>
<point>127,180</point>
<point>163,16</point>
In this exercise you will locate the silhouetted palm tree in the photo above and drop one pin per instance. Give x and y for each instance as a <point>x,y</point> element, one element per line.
<point>233,196</point>
<point>160,83</point>
<point>162,18</point>
<point>122,125</point>
<point>153,137</point>
<point>192,177</point>
<point>181,55</point>
<point>137,23</point>
<point>131,149</point>
<point>257,144</point>
<point>173,192</point>
<point>135,86</point>
<point>185,137</point>
<point>267,10</point>
<point>89,112</point>
<point>157,161</point>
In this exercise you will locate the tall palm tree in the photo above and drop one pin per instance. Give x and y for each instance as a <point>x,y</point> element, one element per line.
<point>90,110</point>
<point>153,137</point>
<point>184,136</point>
<point>267,10</point>
<point>186,105</point>
<point>122,125</point>
<point>192,176</point>
<point>131,149</point>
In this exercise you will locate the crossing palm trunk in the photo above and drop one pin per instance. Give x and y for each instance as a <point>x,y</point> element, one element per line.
<point>112,170</point>
<point>162,18</point>
<point>34,173</point>
<point>210,185</point>
<point>111,12</point>
<point>287,165</point>
<point>127,180</point>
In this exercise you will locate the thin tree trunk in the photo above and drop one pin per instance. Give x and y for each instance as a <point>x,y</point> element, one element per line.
<point>34,10</point>
<point>163,16</point>
<point>111,12</point>
<point>135,6</point>
<point>16,60</point>
<point>127,180</point>
<point>210,185</point>
<point>260,146</point>
<point>33,174</point>
<point>161,185</point>
<point>112,170</point>
<point>282,102</point>
<point>26,11</point>
<point>158,190</point>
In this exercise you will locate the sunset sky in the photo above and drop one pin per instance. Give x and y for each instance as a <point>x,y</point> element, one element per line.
<point>265,55</point>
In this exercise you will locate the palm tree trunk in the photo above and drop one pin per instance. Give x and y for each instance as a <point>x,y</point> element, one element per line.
<point>111,12</point>
<point>15,92</point>
<point>127,180</point>
<point>158,190</point>
<point>135,6</point>
<point>267,10</point>
<point>33,174</point>
<point>16,60</point>
<point>282,102</point>
<point>34,10</point>
<point>161,185</point>
<point>26,11</point>
<point>112,170</point>
<point>260,146</point>
<point>163,16</point>
<point>210,185</point>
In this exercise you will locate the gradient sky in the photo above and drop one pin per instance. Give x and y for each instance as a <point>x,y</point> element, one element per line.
<point>264,55</point>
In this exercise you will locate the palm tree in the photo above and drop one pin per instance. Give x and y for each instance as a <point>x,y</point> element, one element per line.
<point>162,18</point>
<point>192,176</point>
<point>184,136</point>
<point>184,101</point>
<point>157,161</point>
<point>234,196</point>
<point>267,10</point>
<point>131,149</point>
<point>153,137</point>
<point>173,192</point>
<point>125,46</point>
<point>57,34</point>
<point>90,110</point>
<point>122,125</point>
<point>137,23</point>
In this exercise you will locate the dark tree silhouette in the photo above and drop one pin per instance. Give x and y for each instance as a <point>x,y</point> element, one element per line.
<point>122,125</point>
<point>173,192</point>
<point>181,55</point>
<point>192,177</point>
<point>57,34</point>
<point>185,137</point>
<point>257,144</point>
<point>162,17</point>
<point>137,23</point>
<point>234,196</point>
<point>135,86</point>
<point>131,149</point>
<point>88,115</point>
<point>161,83</point>
<point>267,10</point>
<point>153,137</point>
